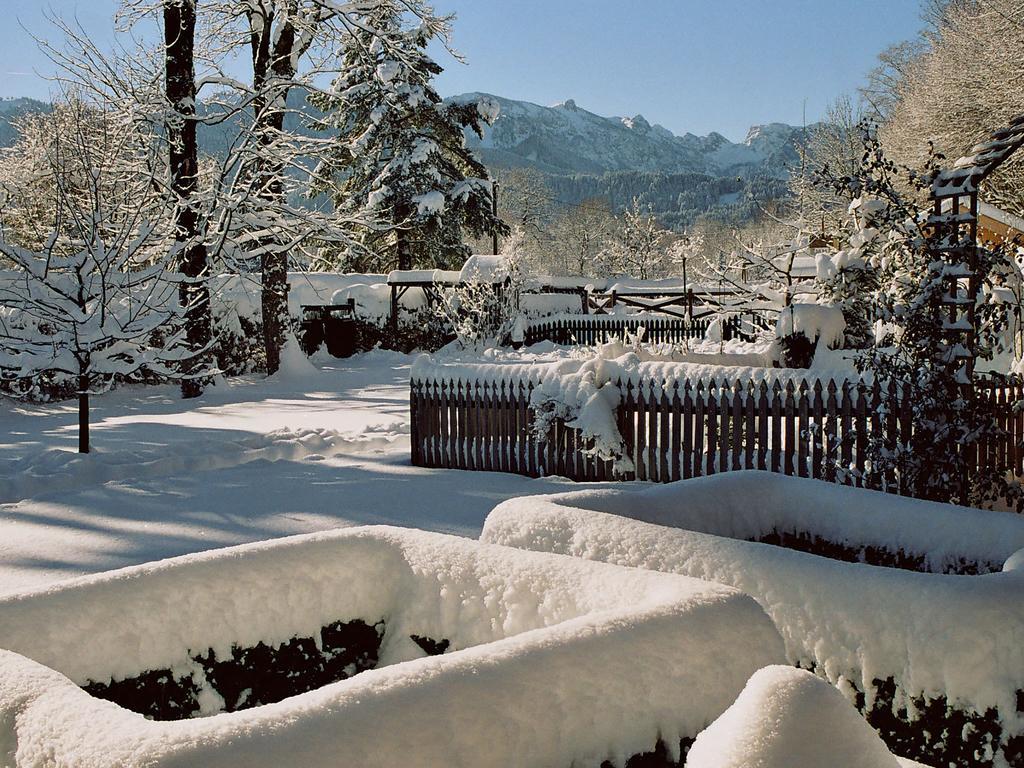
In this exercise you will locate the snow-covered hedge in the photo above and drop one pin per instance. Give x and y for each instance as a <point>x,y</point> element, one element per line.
<point>488,656</point>
<point>788,718</point>
<point>934,660</point>
<point>237,318</point>
<point>834,520</point>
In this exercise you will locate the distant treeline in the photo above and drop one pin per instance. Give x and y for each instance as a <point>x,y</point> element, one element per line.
<point>676,199</point>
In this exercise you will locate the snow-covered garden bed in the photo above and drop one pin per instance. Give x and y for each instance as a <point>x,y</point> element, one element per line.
<point>934,659</point>
<point>372,647</point>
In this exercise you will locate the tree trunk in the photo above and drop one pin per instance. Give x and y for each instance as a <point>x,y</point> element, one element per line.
<point>83,414</point>
<point>273,70</point>
<point>179,40</point>
<point>403,241</point>
<point>274,306</point>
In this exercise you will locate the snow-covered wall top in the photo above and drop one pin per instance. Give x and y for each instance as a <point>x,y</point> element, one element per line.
<point>935,635</point>
<point>559,661</point>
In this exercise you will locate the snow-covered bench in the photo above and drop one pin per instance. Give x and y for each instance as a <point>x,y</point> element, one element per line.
<point>475,655</point>
<point>935,660</point>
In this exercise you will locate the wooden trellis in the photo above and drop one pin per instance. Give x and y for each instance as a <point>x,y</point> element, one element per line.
<point>954,239</point>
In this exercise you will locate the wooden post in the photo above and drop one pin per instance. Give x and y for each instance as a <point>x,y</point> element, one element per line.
<point>83,414</point>
<point>413,423</point>
<point>393,320</point>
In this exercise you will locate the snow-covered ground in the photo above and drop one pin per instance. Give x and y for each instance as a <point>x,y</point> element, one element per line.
<point>252,459</point>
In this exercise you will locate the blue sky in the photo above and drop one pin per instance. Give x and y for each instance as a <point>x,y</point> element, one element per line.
<point>691,65</point>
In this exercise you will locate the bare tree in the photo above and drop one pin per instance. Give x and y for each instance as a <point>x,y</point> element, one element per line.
<point>578,236</point>
<point>885,83</point>
<point>966,84</point>
<point>834,144</point>
<point>239,206</point>
<point>636,247</point>
<point>758,271</point>
<point>280,33</point>
<point>97,302</point>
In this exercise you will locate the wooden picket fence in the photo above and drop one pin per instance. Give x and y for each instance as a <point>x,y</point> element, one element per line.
<point>682,430</point>
<point>588,330</point>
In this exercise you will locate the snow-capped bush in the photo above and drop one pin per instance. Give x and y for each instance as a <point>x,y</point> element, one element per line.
<point>483,309</point>
<point>538,659</point>
<point>788,718</point>
<point>802,330</point>
<point>933,660</point>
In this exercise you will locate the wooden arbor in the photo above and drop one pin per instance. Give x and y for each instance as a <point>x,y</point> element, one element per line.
<point>954,239</point>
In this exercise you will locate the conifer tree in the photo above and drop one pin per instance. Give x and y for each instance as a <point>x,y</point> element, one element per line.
<point>399,156</point>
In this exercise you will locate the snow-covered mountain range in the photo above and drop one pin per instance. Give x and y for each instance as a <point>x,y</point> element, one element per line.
<point>566,138</point>
<point>583,155</point>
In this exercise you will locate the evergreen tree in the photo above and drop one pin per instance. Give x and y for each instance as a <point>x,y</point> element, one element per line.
<point>399,157</point>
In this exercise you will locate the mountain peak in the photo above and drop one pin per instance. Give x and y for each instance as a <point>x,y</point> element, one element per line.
<point>636,123</point>
<point>566,138</point>
<point>767,132</point>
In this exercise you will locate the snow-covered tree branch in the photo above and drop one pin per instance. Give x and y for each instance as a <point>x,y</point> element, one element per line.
<point>97,302</point>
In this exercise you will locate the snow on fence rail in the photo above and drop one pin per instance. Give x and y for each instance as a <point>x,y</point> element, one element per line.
<point>673,431</point>
<point>596,329</point>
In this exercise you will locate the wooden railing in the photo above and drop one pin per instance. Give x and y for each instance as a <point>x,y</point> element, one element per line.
<point>588,330</point>
<point>685,429</point>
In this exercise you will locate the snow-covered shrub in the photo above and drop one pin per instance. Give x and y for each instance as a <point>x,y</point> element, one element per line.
<point>921,346</point>
<point>803,329</point>
<point>933,660</point>
<point>237,341</point>
<point>483,309</point>
<point>787,717</point>
<point>538,659</point>
<point>587,401</point>
<point>848,278</point>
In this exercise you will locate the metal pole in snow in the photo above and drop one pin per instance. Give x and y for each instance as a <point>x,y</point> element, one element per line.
<point>494,212</point>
